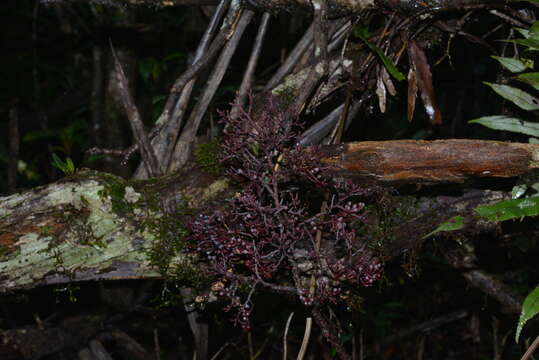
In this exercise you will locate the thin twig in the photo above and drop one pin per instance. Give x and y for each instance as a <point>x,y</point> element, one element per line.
<point>306,337</point>
<point>148,155</point>
<point>169,123</point>
<point>156,344</point>
<point>183,146</point>
<point>320,34</point>
<point>199,329</point>
<point>351,115</point>
<point>531,349</point>
<point>221,349</point>
<point>248,76</point>
<point>292,59</point>
<point>426,326</point>
<point>329,334</point>
<point>220,39</point>
<point>320,68</point>
<point>285,345</point>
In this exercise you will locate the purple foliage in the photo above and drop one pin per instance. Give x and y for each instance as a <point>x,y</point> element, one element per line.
<point>291,223</point>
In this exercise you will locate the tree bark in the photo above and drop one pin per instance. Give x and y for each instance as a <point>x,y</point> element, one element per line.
<point>417,161</point>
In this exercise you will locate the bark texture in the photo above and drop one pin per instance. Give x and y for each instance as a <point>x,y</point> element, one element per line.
<point>416,161</point>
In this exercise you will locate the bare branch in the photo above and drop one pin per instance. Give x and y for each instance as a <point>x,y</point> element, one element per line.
<point>171,119</point>
<point>183,146</point>
<point>148,155</point>
<point>247,81</point>
<point>292,59</point>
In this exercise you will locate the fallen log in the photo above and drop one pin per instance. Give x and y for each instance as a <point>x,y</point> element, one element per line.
<point>94,226</point>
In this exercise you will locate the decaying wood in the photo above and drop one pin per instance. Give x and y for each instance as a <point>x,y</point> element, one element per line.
<point>89,227</point>
<point>424,162</point>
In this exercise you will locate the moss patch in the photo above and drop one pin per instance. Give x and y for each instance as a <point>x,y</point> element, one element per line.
<point>206,156</point>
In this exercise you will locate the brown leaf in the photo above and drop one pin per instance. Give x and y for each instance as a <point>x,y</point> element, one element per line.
<point>419,63</point>
<point>387,82</point>
<point>381,92</point>
<point>412,93</point>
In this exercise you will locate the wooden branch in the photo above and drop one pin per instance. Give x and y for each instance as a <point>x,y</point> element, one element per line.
<point>439,161</point>
<point>172,117</point>
<point>186,140</point>
<point>464,259</point>
<point>147,152</point>
<point>249,74</point>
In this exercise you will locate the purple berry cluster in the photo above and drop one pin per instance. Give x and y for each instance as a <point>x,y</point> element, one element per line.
<point>290,224</point>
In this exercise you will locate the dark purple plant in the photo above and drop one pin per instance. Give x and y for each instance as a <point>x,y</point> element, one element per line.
<point>291,222</point>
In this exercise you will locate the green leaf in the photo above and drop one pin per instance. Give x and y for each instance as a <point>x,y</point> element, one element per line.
<point>67,166</point>
<point>523,32</point>
<point>149,67</point>
<point>174,56</point>
<point>513,65</point>
<point>507,123</point>
<point>530,78</point>
<point>158,98</point>
<point>534,30</point>
<point>455,223</point>
<point>530,43</point>
<point>94,158</point>
<point>389,65</point>
<point>530,308</point>
<point>70,166</point>
<point>58,163</point>
<point>510,209</point>
<point>361,32</point>
<point>39,135</point>
<point>520,98</point>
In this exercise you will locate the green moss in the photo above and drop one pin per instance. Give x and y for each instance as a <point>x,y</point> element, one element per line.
<point>206,156</point>
<point>169,252</point>
<point>168,242</point>
<point>116,192</point>
<point>4,251</point>
<point>286,95</point>
<point>388,211</point>
<point>46,231</point>
<point>188,274</point>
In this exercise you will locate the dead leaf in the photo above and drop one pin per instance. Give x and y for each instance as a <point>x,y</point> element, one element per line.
<point>388,83</point>
<point>412,93</point>
<point>381,92</point>
<point>420,64</point>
